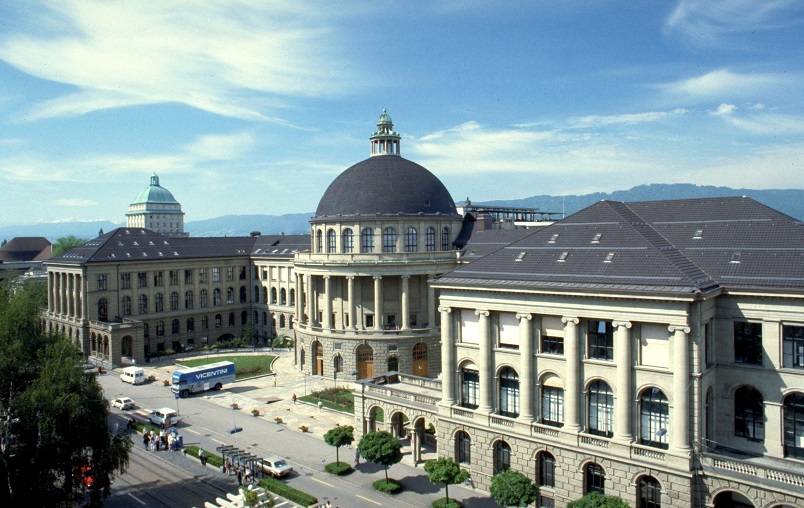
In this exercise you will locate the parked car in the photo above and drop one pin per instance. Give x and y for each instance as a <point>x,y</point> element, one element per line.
<point>123,403</point>
<point>164,417</point>
<point>275,466</point>
<point>133,375</point>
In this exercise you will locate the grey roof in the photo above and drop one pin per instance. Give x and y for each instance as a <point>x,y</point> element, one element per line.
<point>23,248</point>
<point>651,247</point>
<point>385,185</point>
<point>139,244</point>
<point>484,242</point>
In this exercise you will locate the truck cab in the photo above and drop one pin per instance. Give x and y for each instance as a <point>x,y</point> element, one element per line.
<point>211,376</point>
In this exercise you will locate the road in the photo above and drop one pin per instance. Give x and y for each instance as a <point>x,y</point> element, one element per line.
<point>207,424</point>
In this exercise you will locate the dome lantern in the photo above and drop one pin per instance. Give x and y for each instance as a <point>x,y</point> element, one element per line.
<point>385,141</point>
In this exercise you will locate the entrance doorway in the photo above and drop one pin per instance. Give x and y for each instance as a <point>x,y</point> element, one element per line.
<point>420,360</point>
<point>365,361</point>
<point>318,359</point>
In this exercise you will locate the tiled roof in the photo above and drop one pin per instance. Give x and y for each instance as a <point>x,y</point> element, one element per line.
<point>23,248</point>
<point>688,246</point>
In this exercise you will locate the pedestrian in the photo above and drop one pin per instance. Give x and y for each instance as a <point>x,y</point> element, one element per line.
<point>145,439</point>
<point>239,477</point>
<point>158,444</point>
<point>294,399</point>
<point>202,456</point>
<point>328,505</point>
<point>170,441</point>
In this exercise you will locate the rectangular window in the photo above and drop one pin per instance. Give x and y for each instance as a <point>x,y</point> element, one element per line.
<point>188,276</point>
<point>547,470</point>
<point>158,279</point>
<point>102,281</point>
<point>748,343</point>
<point>125,281</point>
<point>507,329</point>
<point>142,279</point>
<point>369,321</point>
<point>793,347</point>
<point>174,277</point>
<point>470,386</point>
<point>264,274</point>
<point>600,337</point>
<point>709,345</point>
<point>552,406</point>
<point>230,273</point>
<point>552,345</point>
<point>546,502</point>
<point>216,274</point>
<point>242,273</point>
<point>202,275</point>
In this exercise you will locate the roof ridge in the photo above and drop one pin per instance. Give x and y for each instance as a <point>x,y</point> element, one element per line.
<point>682,263</point>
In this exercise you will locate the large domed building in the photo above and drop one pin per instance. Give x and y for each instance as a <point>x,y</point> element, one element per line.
<point>382,229</point>
<point>156,209</point>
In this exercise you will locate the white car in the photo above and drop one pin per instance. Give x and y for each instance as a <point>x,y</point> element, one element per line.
<point>275,466</point>
<point>123,403</point>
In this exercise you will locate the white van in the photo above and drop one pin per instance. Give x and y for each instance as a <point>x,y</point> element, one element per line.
<point>133,375</point>
<point>164,417</point>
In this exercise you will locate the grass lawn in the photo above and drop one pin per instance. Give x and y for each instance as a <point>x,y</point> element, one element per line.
<point>245,365</point>
<point>338,399</point>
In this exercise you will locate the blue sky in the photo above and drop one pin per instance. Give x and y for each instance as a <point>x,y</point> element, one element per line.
<point>254,107</point>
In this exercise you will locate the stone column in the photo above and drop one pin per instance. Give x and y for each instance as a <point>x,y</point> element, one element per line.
<point>431,321</point>
<point>573,381</point>
<point>527,367</point>
<point>61,293</point>
<point>70,294</point>
<point>65,295</point>
<point>680,415</point>
<point>50,291</point>
<point>623,401</point>
<point>299,306</point>
<point>485,364</point>
<point>308,287</point>
<point>327,321</point>
<point>377,302</point>
<point>350,295</point>
<point>405,302</point>
<point>81,301</point>
<point>448,366</point>
<point>56,282</point>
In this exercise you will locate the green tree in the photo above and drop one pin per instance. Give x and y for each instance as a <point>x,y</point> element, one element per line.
<point>381,448</point>
<point>512,488</point>
<point>250,335</point>
<point>53,416</point>
<point>66,243</point>
<point>598,500</point>
<point>447,471</point>
<point>341,435</point>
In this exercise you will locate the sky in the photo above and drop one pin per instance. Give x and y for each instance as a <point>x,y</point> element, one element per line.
<point>251,106</point>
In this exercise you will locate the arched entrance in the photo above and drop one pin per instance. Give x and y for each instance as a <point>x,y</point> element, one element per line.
<point>126,346</point>
<point>318,358</point>
<point>365,361</point>
<point>731,499</point>
<point>376,414</point>
<point>399,424</point>
<point>420,359</point>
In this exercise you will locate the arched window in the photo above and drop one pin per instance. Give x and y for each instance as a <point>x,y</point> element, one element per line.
<point>243,295</point>
<point>429,239</point>
<point>393,364</point>
<point>243,317</point>
<point>216,297</point>
<point>230,295</point>
<point>292,296</point>
<point>264,318</point>
<point>552,401</point>
<point>749,414</point>
<point>653,418</point>
<point>594,479</point>
<point>265,295</point>
<point>709,409</point>
<point>103,310</point>
<point>174,300</point>
<point>159,303</point>
<point>502,456</point>
<point>331,244</point>
<point>347,241</point>
<point>509,392</point>
<point>793,415</point>
<point>143,304</point>
<point>218,320</point>
<point>126,305</point>
<point>204,299</point>
<point>389,239</point>
<point>649,493</point>
<point>420,360</point>
<point>146,331</point>
<point>160,328</point>
<point>600,409</point>
<point>175,326</point>
<point>190,324</point>
<point>470,383</point>
<point>337,364</point>
<point>463,447</point>
<point>445,238</point>
<point>367,240</point>
<point>546,472</point>
<point>231,319</point>
<point>319,244</point>
<point>281,321</point>
<point>365,361</point>
<point>411,240</point>
<point>283,297</point>
<point>188,299</point>
<point>273,295</point>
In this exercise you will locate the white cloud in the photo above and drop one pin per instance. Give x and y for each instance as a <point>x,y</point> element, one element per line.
<point>711,20</point>
<point>76,202</point>
<point>724,83</point>
<point>222,146</point>
<point>767,124</point>
<point>625,119</point>
<point>220,57</point>
<point>724,109</point>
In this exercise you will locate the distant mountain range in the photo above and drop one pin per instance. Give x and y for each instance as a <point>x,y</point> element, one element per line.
<point>789,201</point>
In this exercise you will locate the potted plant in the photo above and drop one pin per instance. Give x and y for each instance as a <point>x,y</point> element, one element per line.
<point>255,412</point>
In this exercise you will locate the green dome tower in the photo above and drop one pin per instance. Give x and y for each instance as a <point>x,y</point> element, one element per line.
<point>155,208</point>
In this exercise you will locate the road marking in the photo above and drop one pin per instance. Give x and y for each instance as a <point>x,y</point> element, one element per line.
<point>322,482</point>
<point>217,441</point>
<point>135,498</point>
<point>366,499</point>
<point>192,431</point>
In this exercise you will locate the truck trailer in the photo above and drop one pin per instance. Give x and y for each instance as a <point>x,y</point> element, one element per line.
<point>211,376</point>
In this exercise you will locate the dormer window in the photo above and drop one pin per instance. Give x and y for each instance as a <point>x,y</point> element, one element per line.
<point>553,238</point>
<point>597,237</point>
<point>735,258</point>
<point>563,257</point>
<point>609,257</point>
<point>698,234</point>
<point>520,256</point>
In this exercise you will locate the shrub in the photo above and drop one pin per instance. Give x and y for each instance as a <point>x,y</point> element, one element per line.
<point>339,436</point>
<point>381,448</point>
<point>212,458</point>
<point>387,486</point>
<point>598,500</point>
<point>446,503</point>
<point>512,488</point>
<point>166,382</point>
<point>283,489</point>
<point>255,412</point>
<point>338,468</point>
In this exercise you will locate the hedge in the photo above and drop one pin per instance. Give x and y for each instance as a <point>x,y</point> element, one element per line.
<point>283,489</point>
<point>388,487</point>
<point>338,468</point>
<point>213,459</point>
<point>443,503</point>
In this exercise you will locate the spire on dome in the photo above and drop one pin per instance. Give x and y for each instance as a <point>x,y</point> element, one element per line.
<point>385,140</point>
<point>155,180</point>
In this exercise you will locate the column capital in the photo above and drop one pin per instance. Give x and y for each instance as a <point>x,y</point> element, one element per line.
<point>445,309</point>
<point>404,276</point>
<point>480,312</point>
<point>350,277</point>
<point>567,320</point>
<point>617,324</point>
<point>377,277</point>
<point>678,328</point>
<point>325,277</point>
<point>524,315</point>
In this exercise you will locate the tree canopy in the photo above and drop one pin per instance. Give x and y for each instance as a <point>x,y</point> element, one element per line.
<point>598,500</point>
<point>445,470</point>
<point>65,243</point>
<point>53,416</point>
<point>341,435</point>
<point>512,488</point>
<point>381,448</point>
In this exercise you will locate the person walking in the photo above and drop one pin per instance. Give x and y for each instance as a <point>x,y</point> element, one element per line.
<point>202,456</point>
<point>294,399</point>
<point>239,477</point>
<point>145,439</point>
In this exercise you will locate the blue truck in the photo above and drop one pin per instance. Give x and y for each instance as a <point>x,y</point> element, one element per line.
<point>211,376</point>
